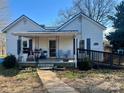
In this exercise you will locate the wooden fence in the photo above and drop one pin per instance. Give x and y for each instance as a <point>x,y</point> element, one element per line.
<point>101,59</point>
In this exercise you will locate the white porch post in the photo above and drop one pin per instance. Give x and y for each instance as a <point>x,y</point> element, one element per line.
<point>58,56</point>
<point>75,51</point>
<point>21,46</point>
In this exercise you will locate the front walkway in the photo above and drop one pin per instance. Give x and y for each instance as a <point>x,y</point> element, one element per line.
<point>54,84</point>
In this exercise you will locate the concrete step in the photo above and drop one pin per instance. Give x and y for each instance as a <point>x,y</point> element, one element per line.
<point>45,68</point>
<point>45,65</point>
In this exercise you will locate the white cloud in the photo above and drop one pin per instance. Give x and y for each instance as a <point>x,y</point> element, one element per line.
<point>109,29</point>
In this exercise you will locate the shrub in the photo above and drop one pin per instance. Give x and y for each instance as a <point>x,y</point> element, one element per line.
<point>84,64</point>
<point>9,62</point>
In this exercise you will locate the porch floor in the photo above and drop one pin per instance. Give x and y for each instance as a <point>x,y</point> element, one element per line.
<point>49,63</point>
<point>51,60</point>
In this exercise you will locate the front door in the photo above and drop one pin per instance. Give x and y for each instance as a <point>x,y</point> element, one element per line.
<point>52,48</point>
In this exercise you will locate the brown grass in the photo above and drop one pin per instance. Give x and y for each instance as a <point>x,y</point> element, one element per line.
<point>94,81</point>
<point>15,81</point>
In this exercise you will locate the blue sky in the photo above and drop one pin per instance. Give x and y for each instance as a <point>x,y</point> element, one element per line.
<point>41,11</point>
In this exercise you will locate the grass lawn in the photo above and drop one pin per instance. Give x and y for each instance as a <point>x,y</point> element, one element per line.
<point>15,81</point>
<point>94,81</point>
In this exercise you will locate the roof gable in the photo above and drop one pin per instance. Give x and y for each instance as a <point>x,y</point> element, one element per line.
<point>78,15</point>
<point>20,19</point>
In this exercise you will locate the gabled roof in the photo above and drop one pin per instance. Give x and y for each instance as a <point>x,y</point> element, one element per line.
<point>53,28</point>
<point>18,20</point>
<point>76,16</point>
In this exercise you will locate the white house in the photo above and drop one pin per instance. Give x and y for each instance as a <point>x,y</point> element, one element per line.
<point>79,31</point>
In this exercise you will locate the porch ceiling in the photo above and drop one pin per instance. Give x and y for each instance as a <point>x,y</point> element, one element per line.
<point>44,34</point>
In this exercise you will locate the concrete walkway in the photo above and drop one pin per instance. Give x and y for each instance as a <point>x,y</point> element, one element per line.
<point>54,84</point>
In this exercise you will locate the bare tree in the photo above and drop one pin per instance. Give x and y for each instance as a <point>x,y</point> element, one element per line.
<point>66,14</point>
<point>4,14</point>
<point>95,9</point>
<point>4,20</point>
<point>2,44</point>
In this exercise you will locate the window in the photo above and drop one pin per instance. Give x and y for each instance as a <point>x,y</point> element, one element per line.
<point>25,47</point>
<point>96,44</point>
<point>24,44</point>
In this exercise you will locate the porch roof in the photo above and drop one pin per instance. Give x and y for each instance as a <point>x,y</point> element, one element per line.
<point>44,34</point>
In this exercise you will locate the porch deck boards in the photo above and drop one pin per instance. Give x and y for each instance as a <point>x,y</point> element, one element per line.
<point>50,60</point>
<point>49,63</point>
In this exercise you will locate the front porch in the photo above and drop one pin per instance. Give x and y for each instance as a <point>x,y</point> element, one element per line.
<point>47,47</point>
<point>49,64</point>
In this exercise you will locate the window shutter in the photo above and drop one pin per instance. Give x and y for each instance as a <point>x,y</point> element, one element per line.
<point>89,44</point>
<point>30,44</point>
<point>18,46</point>
<point>74,46</point>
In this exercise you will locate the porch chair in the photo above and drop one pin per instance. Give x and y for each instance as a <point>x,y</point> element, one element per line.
<point>68,53</point>
<point>60,54</point>
<point>24,57</point>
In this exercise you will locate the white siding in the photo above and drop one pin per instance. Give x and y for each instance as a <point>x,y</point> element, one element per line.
<point>62,43</point>
<point>19,27</point>
<point>73,25</point>
<point>87,29</point>
<point>93,32</point>
<point>66,44</point>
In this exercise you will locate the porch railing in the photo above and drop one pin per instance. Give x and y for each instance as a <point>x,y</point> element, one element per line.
<point>100,58</point>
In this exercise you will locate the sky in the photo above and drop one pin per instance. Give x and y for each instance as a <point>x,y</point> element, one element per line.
<point>41,11</point>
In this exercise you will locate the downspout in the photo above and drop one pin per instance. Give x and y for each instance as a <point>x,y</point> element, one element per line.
<point>81,29</point>
<point>81,32</point>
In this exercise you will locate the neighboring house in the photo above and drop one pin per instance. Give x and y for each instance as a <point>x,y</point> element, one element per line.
<point>78,32</point>
<point>107,46</point>
<point>2,45</point>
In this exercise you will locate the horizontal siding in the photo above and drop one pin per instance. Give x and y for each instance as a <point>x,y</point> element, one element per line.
<point>62,43</point>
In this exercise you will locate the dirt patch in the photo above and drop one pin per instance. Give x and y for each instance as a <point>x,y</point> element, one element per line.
<point>94,81</point>
<point>23,82</point>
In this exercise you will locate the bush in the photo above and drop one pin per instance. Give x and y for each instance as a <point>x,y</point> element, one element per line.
<point>84,64</point>
<point>9,62</point>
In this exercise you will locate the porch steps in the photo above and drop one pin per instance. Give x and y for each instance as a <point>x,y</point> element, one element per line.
<point>44,66</point>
